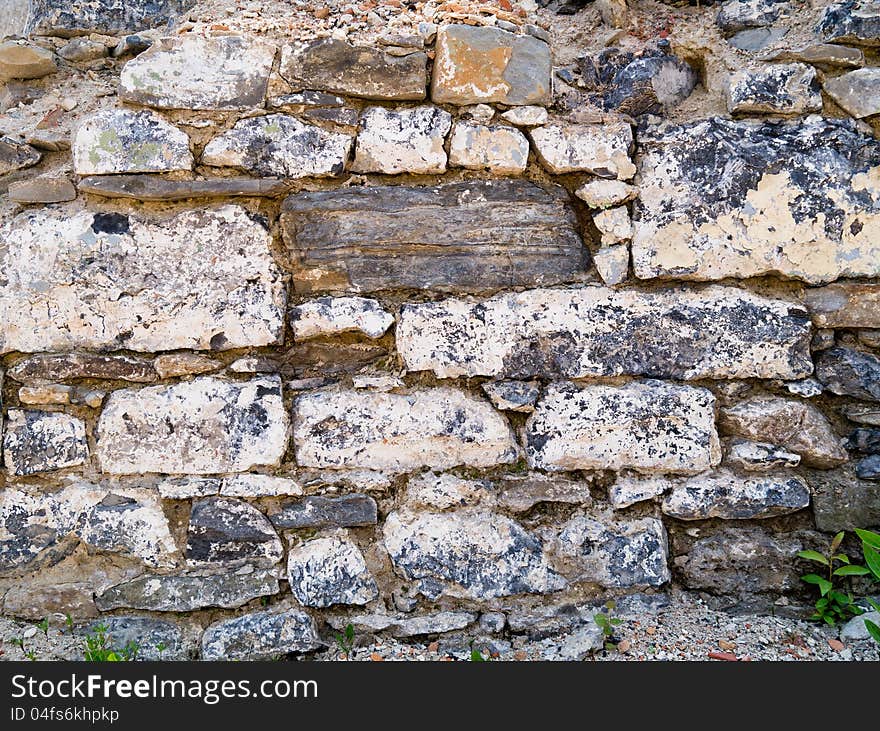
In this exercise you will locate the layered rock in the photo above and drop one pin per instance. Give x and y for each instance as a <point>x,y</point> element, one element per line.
<point>458,237</point>
<point>200,279</point>
<point>575,333</point>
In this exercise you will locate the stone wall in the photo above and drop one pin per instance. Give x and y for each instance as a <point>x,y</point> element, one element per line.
<point>433,334</point>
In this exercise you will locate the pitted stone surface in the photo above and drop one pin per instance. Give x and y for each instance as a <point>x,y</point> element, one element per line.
<point>317,511</point>
<point>330,569</point>
<point>393,141</point>
<point>201,279</point>
<point>468,236</point>
<point>851,21</point>
<point>436,427</point>
<point>759,456</point>
<point>196,72</point>
<point>41,441</point>
<point>203,426</point>
<point>475,65</point>
<point>76,17</point>
<point>648,427</point>
<point>599,149</point>
<point>848,372</point>
<point>712,203</point>
<point>334,315</point>
<point>775,89</point>
<point>329,64</point>
<point>493,148</point>
<point>717,332</point>
<point>127,141</point>
<point>472,552</point>
<point>224,529</point>
<point>280,145</point>
<point>260,636</point>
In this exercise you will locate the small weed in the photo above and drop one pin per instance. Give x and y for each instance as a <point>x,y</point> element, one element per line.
<point>477,656</point>
<point>607,622</point>
<point>97,648</point>
<point>68,622</point>
<point>346,641</point>
<point>833,605</point>
<point>871,552</point>
<point>44,627</point>
<point>160,648</point>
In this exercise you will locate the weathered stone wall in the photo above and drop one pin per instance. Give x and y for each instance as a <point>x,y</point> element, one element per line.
<point>429,334</point>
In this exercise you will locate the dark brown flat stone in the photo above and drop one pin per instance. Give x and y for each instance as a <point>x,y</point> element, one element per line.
<point>157,188</point>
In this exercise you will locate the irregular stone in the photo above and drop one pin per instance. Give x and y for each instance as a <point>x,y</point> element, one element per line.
<point>476,553</point>
<point>75,17</point>
<point>713,205</point>
<point>279,145</point>
<point>718,332</point>
<point>252,486</point>
<point>39,369</point>
<point>720,562</point>
<point>334,315</point>
<point>159,188</point>
<point>440,492</point>
<point>844,305</point>
<point>47,139</point>
<point>82,50</point>
<point>857,92</point>
<point>851,21</point>
<point>651,85</point>
<point>862,414</point>
<point>629,490</point>
<point>795,425</point>
<point>493,622</point>
<point>528,116</point>
<point>191,590</point>
<point>520,493</point>
<point>346,117</point>
<point>222,529</point>
<point>614,554</point>
<point>109,519</point>
<point>128,141</point>
<point>475,64</point>
<point>599,149</point>
<point>145,633</point>
<point>807,387</point>
<point>253,365</point>
<point>42,190</point>
<point>436,427</point>
<point>759,456</point>
<point>843,501</point>
<point>13,94</point>
<point>466,236</point>
<point>39,441</point>
<point>599,193</point>
<point>147,285</point>
<point>330,569</point>
<point>54,393</point>
<point>774,89</point>
<point>612,263</point>
<point>868,468</point>
<point>738,15</point>
<point>849,373</point>
<point>377,383</point>
<point>430,624</point>
<point>15,155</point>
<point>583,642</point>
<point>329,359</point>
<point>754,39</point>
<point>298,101</point>
<point>823,54</point>
<point>316,511</point>
<point>20,60</point>
<point>395,141</point>
<point>197,72</point>
<point>856,629</point>
<point>132,45</point>
<point>614,224</point>
<point>203,426</point>
<point>260,636</point>
<point>727,496</point>
<point>513,395</point>
<point>183,488</point>
<point>869,338</point>
<point>648,427</point>
<point>494,148</point>
<point>864,440</point>
<point>172,365</point>
<point>333,65</point>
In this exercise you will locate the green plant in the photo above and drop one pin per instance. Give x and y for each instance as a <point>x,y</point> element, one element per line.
<point>833,605</point>
<point>160,648</point>
<point>68,621</point>
<point>346,642</point>
<point>44,627</point>
<point>477,655</point>
<point>871,552</point>
<point>607,622</point>
<point>97,648</point>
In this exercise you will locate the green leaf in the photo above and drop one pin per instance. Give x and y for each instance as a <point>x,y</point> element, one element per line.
<point>851,571</point>
<point>842,557</point>
<point>872,558</point>
<point>869,537</point>
<point>823,602</point>
<point>823,584</point>
<point>874,605</point>
<point>477,656</point>
<point>873,630</point>
<point>813,556</point>
<point>838,539</point>
<point>615,621</point>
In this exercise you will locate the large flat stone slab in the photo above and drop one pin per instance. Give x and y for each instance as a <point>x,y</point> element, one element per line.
<point>203,279</point>
<point>718,332</point>
<point>475,65</point>
<point>436,427</point>
<point>456,237</point>
<point>328,64</point>
<point>648,427</point>
<point>196,72</point>
<point>204,426</point>
<point>714,203</point>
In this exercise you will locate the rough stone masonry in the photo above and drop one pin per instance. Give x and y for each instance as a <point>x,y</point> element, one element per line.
<point>438,322</point>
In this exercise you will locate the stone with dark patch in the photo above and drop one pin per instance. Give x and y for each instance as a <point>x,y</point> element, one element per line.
<point>857,92</point>
<point>864,440</point>
<point>737,15</point>
<point>154,639</point>
<point>317,511</point>
<point>790,88</point>
<point>40,441</point>
<point>53,367</point>
<point>848,372</point>
<point>844,500</point>
<point>260,636</point>
<point>159,188</point>
<point>868,468</point>
<point>68,18</point>
<point>15,155</point>
<point>329,569</point>
<point>477,235</point>
<point>225,529</point>
<point>851,21</point>
<point>513,395</point>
